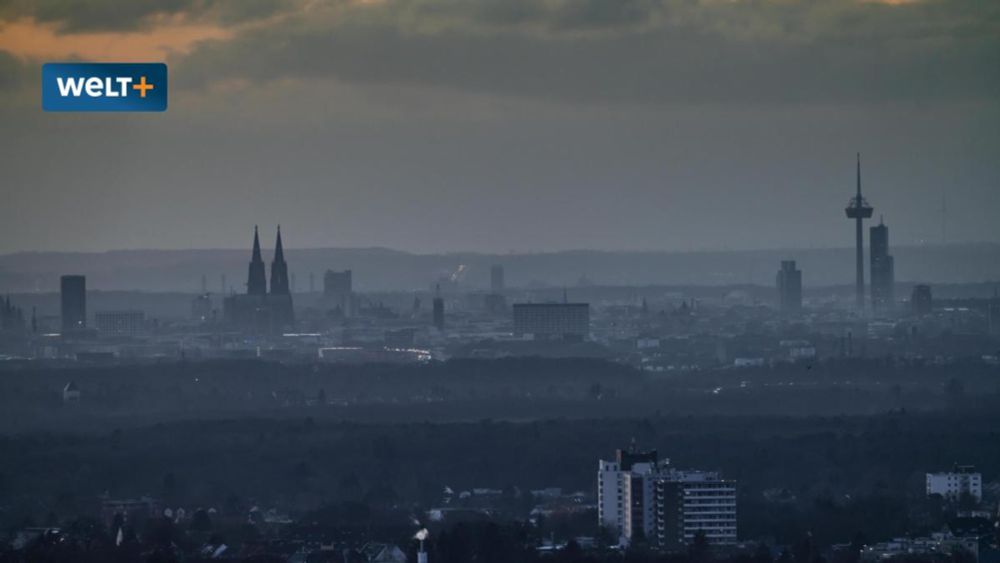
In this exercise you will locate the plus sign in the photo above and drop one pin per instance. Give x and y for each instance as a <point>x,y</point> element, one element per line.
<point>142,87</point>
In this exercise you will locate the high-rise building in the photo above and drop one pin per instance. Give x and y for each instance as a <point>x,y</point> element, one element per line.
<point>338,291</point>
<point>921,300</point>
<point>496,279</point>
<point>789,282</point>
<point>883,274</point>
<point>688,502</point>
<point>73,303</point>
<point>642,497</point>
<point>613,508</point>
<point>552,320</point>
<point>859,210</point>
<point>437,312</point>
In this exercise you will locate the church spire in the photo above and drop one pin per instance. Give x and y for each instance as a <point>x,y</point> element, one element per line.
<point>279,252</point>
<point>279,269</point>
<point>256,245</point>
<point>256,279</point>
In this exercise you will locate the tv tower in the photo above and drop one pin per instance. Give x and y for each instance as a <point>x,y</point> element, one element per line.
<point>859,210</point>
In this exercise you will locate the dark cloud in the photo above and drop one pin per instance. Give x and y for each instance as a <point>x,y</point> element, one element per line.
<point>73,16</point>
<point>635,51</point>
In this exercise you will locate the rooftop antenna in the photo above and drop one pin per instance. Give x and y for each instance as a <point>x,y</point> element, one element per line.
<point>859,210</point>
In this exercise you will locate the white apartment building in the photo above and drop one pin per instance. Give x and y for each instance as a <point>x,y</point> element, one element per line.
<point>963,479</point>
<point>642,497</point>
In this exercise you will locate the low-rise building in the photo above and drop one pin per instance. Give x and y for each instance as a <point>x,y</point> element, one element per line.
<point>953,485</point>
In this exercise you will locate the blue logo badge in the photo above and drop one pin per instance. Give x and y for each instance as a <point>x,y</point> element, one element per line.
<point>104,87</point>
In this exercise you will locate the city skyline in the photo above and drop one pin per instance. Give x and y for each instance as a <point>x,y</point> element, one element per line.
<point>504,281</point>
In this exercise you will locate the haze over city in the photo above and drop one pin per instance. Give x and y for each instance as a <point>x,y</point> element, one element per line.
<point>507,125</point>
<point>500,281</point>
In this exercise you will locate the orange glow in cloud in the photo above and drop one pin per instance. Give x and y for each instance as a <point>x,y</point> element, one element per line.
<point>29,39</point>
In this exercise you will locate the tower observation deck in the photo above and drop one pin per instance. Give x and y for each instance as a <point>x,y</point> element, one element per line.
<point>859,210</point>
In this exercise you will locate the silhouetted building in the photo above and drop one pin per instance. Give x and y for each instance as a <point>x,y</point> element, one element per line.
<point>789,282</point>
<point>279,269</point>
<point>259,310</point>
<point>338,291</point>
<point>120,323</point>
<point>921,300</point>
<point>859,210</point>
<point>73,303</point>
<point>883,274</point>
<point>496,279</point>
<point>438,310</point>
<point>11,317</point>
<point>201,308</point>
<point>548,320</point>
<point>495,303</point>
<point>256,278</point>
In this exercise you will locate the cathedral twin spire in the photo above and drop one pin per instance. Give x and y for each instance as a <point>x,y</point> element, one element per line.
<point>256,280</point>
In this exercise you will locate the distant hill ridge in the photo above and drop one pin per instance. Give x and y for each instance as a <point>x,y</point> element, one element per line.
<point>378,269</point>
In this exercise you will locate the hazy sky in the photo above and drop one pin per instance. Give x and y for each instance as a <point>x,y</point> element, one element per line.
<point>498,125</point>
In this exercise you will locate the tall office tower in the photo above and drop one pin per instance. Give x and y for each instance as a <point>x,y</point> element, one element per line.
<point>73,297</point>
<point>438,309</point>
<point>496,279</point>
<point>279,269</point>
<point>338,291</point>
<point>640,496</point>
<point>789,284</point>
<point>859,210</point>
<point>256,279</point>
<point>921,300</point>
<point>883,269</point>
